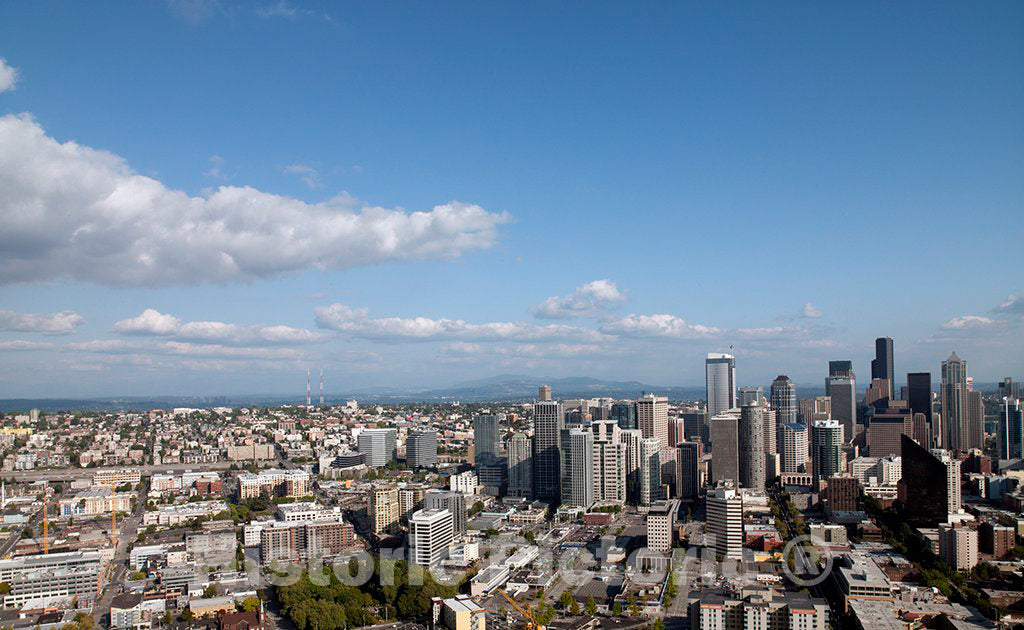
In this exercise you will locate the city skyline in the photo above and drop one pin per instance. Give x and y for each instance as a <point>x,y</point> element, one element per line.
<point>414,215</point>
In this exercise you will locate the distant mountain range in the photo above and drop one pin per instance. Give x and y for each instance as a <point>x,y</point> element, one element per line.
<point>501,388</point>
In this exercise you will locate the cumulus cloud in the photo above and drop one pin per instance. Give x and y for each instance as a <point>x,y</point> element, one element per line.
<point>154,323</point>
<point>358,323</point>
<point>969,322</point>
<point>150,322</point>
<point>8,76</point>
<point>810,311</point>
<point>51,324</point>
<point>589,300</point>
<point>75,212</point>
<point>1013,304</point>
<point>660,325</point>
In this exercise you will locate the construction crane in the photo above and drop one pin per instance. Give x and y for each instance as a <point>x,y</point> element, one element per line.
<point>527,612</point>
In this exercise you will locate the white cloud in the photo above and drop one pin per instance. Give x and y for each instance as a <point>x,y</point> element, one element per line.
<point>150,322</point>
<point>51,324</point>
<point>280,9</point>
<point>1013,304</point>
<point>70,211</point>
<point>967,322</point>
<point>810,311</point>
<point>357,322</point>
<point>660,325</point>
<point>8,76</point>
<point>588,300</point>
<point>309,175</point>
<point>20,344</point>
<point>154,323</point>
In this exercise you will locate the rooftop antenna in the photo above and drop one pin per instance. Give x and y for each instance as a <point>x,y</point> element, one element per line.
<point>321,385</point>
<point>307,387</point>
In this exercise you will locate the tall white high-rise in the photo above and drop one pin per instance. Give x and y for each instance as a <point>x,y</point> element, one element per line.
<point>650,470</point>
<point>378,445</point>
<point>725,521</point>
<point>577,467</point>
<point>609,462</point>
<point>794,447</point>
<point>720,382</point>
<point>431,531</point>
<point>630,439</point>
<point>652,417</point>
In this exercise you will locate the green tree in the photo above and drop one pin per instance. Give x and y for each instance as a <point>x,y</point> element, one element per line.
<point>251,604</point>
<point>591,605</point>
<point>617,609</point>
<point>565,600</point>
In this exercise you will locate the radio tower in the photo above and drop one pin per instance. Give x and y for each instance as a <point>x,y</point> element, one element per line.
<point>307,387</point>
<point>321,386</point>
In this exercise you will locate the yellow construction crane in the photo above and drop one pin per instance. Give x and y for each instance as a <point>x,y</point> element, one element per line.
<point>526,612</point>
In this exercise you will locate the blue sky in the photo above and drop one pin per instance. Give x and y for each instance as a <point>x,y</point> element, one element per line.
<point>202,197</point>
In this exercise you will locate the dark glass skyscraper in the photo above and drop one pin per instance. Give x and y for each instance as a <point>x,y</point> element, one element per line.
<point>624,414</point>
<point>882,364</point>
<point>924,486</point>
<point>548,422</point>
<point>919,398</point>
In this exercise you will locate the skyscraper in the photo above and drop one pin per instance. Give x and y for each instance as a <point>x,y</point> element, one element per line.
<point>688,465</point>
<point>725,447</point>
<point>609,462</point>
<point>882,364</point>
<point>430,534</point>
<point>748,394</point>
<point>720,382</point>
<point>828,444</point>
<point>650,470</point>
<point>454,502</point>
<point>624,413</point>
<point>630,439</point>
<point>652,417</point>
<point>954,403</point>
<point>421,449</point>
<point>930,484</point>
<point>725,521</point>
<point>783,394</point>
<point>548,421</point>
<point>794,448</point>
<point>842,392</point>
<point>486,434</point>
<point>975,412</point>
<point>544,393</point>
<point>919,398</point>
<point>378,446</point>
<point>577,467</point>
<point>885,431</point>
<point>751,443</point>
<point>1011,429</point>
<point>520,466</point>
